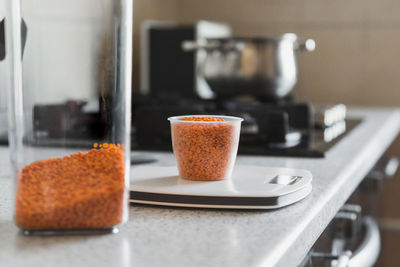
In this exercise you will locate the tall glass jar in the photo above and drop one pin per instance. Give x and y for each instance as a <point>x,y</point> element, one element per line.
<point>69,103</point>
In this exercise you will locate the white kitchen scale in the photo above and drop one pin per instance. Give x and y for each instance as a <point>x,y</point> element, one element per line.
<point>250,187</point>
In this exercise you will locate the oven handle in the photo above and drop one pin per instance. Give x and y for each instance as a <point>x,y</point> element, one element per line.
<point>367,252</point>
<point>344,259</point>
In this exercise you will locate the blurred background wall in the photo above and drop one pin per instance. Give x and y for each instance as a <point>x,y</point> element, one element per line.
<point>357,40</point>
<point>355,63</point>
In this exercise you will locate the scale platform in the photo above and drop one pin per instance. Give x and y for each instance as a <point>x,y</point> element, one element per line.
<point>250,187</point>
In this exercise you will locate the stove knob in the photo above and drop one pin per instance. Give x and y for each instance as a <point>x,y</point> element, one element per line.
<point>385,168</point>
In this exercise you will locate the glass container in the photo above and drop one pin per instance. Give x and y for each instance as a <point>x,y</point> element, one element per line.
<point>205,146</point>
<point>69,111</point>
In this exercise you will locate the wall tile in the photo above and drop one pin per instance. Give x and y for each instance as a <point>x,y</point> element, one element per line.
<point>382,79</point>
<point>335,70</point>
<point>217,10</point>
<point>336,11</point>
<point>246,11</point>
<point>155,9</point>
<point>264,29</point>
<point>384,10</point>
<point>263,11</point>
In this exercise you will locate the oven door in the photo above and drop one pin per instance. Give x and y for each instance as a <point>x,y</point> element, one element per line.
<point>343,245</point>
<point>353,237</point>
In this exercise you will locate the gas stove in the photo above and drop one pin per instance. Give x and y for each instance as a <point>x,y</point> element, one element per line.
<point>280,128</point>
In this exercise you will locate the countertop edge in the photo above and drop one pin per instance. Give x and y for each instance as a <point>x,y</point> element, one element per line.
<point>353,174</point>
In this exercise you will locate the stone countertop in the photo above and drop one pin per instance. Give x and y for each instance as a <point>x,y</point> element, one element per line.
<point>162,236</point>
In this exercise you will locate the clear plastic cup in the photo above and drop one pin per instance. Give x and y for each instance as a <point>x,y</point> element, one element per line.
<point>205,150</point>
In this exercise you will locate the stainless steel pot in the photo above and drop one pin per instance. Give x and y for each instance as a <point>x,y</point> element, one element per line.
<point>262,67</point>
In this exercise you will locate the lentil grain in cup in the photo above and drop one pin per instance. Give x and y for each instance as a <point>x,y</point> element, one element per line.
<point>205,146</point>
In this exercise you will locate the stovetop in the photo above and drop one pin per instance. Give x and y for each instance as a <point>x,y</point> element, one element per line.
<point>313,144</point>
<point>285,128</point>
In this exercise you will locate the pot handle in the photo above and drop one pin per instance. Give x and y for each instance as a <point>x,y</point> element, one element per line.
<point>189,46</point>
<point>306,45</point>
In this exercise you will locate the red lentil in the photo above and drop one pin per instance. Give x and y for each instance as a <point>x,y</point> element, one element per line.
<point>203,151</point>
<point>201,119</point>
<point>79,191</point>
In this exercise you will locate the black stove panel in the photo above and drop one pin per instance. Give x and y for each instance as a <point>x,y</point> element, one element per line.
<point>286,128</point>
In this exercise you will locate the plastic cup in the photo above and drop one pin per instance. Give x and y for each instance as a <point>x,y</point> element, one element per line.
<point>205,150</point>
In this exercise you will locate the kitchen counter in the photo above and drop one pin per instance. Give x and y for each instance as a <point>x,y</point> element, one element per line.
<point>161,236</point>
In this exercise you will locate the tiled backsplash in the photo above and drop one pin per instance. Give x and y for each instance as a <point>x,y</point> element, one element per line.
<point>357,40</point>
